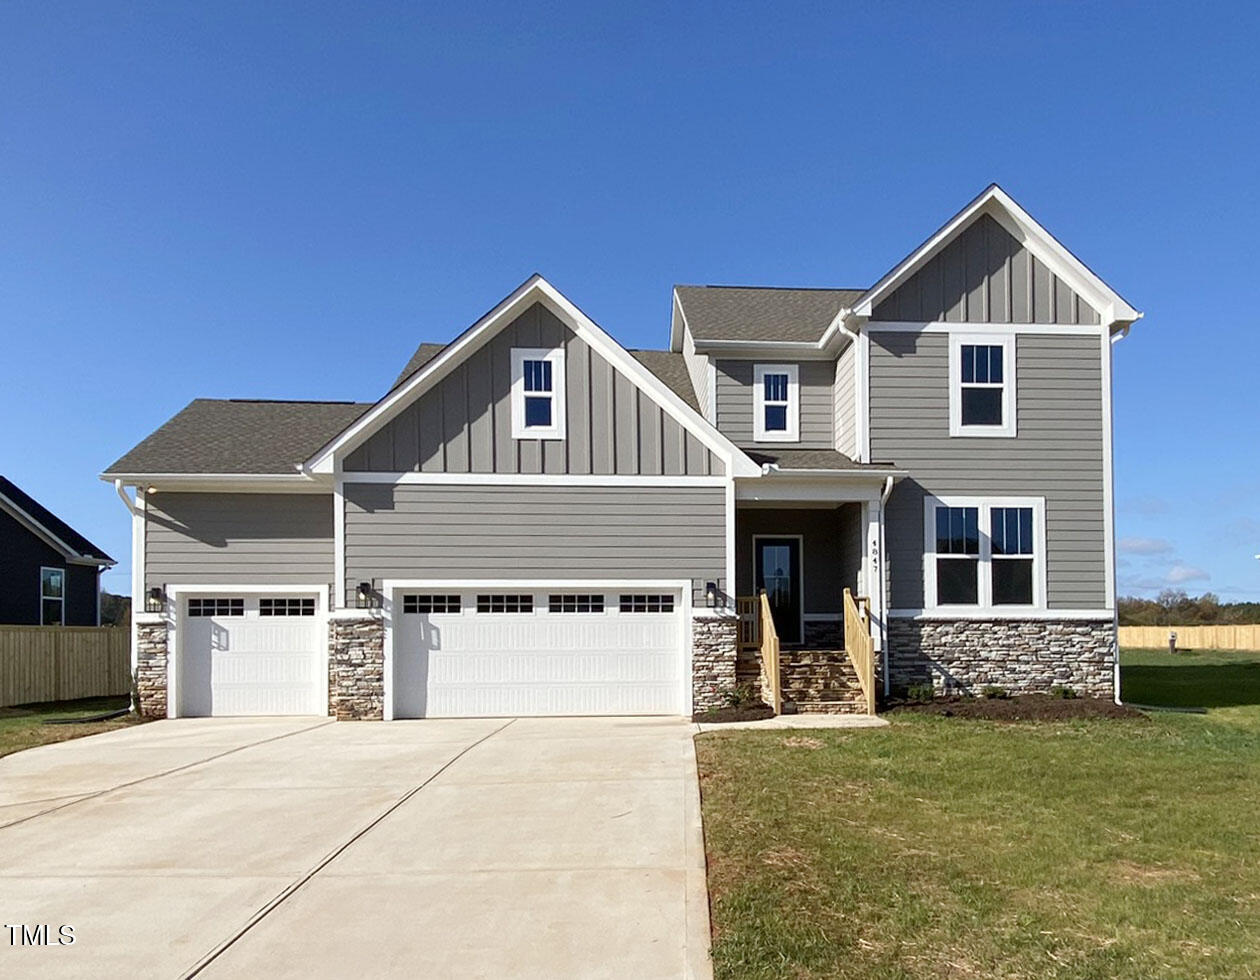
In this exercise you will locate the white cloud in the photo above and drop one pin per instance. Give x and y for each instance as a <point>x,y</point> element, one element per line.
<point>1180,574</point>
<point>1144,546</point>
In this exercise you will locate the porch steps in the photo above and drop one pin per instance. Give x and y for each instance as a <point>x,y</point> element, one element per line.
<point>822,681</point>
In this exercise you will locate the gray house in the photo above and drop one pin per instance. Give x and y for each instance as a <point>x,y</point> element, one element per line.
<point>535,520</point>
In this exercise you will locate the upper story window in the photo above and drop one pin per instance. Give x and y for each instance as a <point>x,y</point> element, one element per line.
<point>982,553</point>
<point>776,403</point>
<point>982,385</point>
<point>52,596</point>
<point>537,393</point>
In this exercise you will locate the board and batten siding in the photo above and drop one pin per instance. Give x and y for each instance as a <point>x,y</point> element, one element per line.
<point>985,276</point>
<point>464,423</point>
<point>1058,454</point>
<point>238,538</point>
<point>422,531</point>
<point>845,406</point>
<point>734,381</point>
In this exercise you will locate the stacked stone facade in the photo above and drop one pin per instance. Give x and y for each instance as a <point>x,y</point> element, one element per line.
<point>1023,656</point>
<point>714,652</point>
<point>356,668</point>
<point>151,672</point>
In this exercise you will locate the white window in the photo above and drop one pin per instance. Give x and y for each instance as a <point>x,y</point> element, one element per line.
<point>982,385</point>
<point>984,553</point>
<point>537,393</point>
<point>52,596</point>
<point>776,403</point>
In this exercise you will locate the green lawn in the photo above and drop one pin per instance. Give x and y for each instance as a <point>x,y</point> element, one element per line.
<point>23,727</point>
<point>943,847</point>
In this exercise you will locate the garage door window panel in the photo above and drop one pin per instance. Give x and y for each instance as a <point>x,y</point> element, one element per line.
<point>427,605</point>
<point>505,602</point>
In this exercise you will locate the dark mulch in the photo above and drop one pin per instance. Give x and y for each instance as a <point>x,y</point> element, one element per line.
<point>753,712</point>
<point>1027,707</point>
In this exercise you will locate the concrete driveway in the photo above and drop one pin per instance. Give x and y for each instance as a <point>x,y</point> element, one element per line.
<point>304,847</point>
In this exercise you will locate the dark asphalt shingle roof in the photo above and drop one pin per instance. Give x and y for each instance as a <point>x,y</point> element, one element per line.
<point>761,313</point>
<point>41,515</point>
<point>671,368</point>
<point>239,436</point>
<point>808,459</point>
<point>423,355</point>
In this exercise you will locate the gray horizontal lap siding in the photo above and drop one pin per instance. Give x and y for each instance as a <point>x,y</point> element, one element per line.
<point>845,405</point>
<point>985,276</point>
<point>1058,454</point>
<point>735,402</point>
<point>238,538</point>
<point>415,531</point>
<point>464,424</point>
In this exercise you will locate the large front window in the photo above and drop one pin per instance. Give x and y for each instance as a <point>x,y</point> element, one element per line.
<point>776,403</point>
<point>984,553</point>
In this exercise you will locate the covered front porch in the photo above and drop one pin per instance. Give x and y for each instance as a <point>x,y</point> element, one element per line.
<point>808,580</point>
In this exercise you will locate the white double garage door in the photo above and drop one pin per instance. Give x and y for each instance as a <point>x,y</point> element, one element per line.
<point>450,653</point>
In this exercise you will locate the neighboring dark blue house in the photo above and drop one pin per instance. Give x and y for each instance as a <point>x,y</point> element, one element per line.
<point>50,574</point>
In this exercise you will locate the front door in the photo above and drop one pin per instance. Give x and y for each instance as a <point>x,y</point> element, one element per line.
<point>778,571</point>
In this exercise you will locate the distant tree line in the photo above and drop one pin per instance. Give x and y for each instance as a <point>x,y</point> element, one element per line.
<point>115,609</point>
<point>1173,607</point>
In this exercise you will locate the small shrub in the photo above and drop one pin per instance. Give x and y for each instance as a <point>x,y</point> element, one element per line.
<point>992,692</point>
<point>920,692</point>
<point>1062,693</point>
<point>740,696</point>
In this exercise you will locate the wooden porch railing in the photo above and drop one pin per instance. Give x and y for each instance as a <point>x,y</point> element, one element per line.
<point>748,608</point>
<point>859,645</point>
<point>771,678</point>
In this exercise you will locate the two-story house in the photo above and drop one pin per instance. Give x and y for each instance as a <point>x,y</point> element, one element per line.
<point>536,520</point>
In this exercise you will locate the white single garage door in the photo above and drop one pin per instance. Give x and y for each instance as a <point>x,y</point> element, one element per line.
<point>530,652</point>
<point>251,655</point>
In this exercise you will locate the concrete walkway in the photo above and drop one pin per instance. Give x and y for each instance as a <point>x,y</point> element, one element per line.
<point>309,848</point>
<point>805,719</point>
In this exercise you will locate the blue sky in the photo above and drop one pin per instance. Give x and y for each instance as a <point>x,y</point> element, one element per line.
<point>281,200</point>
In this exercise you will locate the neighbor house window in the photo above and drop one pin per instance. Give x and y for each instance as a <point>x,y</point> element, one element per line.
<point>982,385</point>
<point>537,393</point>
<point>776,403</point>
<point>984,553</point>
<point>52,596</point>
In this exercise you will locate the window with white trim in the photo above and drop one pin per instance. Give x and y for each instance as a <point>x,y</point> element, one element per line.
<point>982,385</point>
<point>776,403</point>
<point>52,596</point>
<point>538,393</point>
<point>984,553</point>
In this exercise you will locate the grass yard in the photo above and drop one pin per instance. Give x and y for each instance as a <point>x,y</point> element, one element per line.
<point>23,727</point>
<point>950,847</point>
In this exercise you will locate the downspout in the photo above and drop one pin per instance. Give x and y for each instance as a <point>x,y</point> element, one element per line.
<point>883,597</point>
<point>133,511</point>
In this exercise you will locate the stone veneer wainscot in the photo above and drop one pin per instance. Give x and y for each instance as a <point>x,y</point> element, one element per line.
<point>356,666</point>
<point>714,650</point>
<point>151,672</point>
<point>1023,656</point>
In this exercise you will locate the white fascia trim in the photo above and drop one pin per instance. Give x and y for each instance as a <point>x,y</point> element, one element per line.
<point>876,474</point>
<point>675,334</point>
<point>787,490</point>
<point>1004,613</point>
<point>38,529</point>
<point>1009,329</point>
<point>793,404</point>
<point>1009,428</point>
<point>999,205</point>
<point>783,350</point>
<point>223,482</point>
<point>535,289</point>
<point>531,479</point>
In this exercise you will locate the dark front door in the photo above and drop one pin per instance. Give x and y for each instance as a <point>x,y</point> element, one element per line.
<point>778,571</point>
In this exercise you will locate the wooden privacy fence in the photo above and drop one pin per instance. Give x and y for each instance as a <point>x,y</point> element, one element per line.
<point>1192,637</point>
<point>59,663</point>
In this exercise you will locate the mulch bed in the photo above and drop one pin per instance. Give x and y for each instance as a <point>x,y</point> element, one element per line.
<point>1027,707</point>
<point>755,712</point>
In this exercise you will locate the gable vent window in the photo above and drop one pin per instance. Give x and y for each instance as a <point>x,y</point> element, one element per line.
<point>216,607</point>
<point>537,393</point>
<point>286,607</point>
<point>776,403</point>
<point>982,385</point>
<point>511,603</point>
<point>425,604</point>
<point>579,603</point>
<point>639,603</point>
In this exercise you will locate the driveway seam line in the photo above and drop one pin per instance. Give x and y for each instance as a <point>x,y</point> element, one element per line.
<point>159,775</point>
<point>292,889</point>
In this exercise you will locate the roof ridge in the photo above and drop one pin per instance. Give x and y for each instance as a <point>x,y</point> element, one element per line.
<point>797,289</point>
<point>284,401</point>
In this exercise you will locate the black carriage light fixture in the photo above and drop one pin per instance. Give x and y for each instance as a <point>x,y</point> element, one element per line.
<point>155,600</point>
<point>365,592</point>
<point>710,592</point>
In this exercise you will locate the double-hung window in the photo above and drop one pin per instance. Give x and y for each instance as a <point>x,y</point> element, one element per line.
<point>776,403</point>
<point>537,393</point>
<point>982,385</point>
<point>984,553</point>
<point>52,596</point>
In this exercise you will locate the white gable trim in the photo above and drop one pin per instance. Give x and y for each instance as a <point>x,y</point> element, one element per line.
<point>44,534</point>
<point>535,289</point>
<point>999,205</point>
